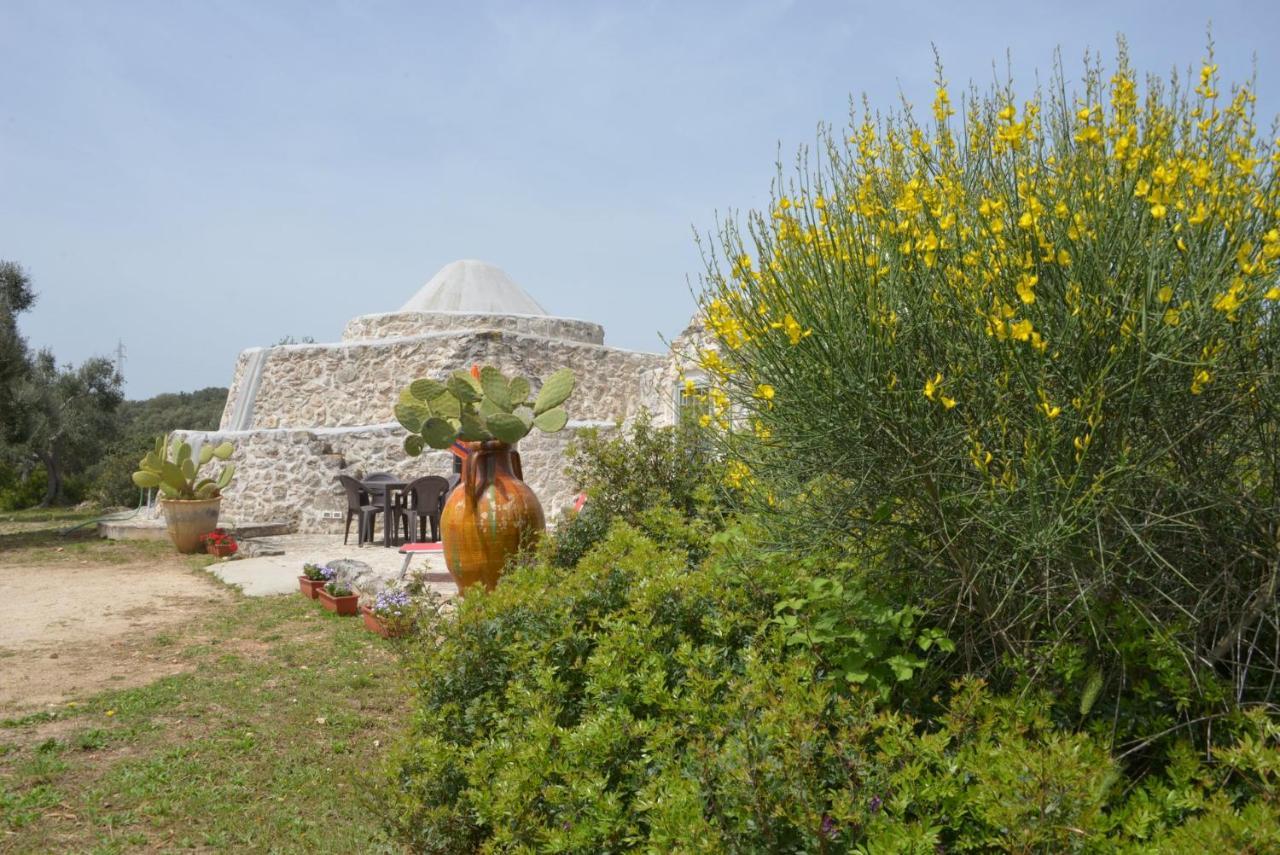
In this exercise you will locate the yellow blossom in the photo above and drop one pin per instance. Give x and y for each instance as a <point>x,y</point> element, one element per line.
<point>931,386</point>
<point>981,457</point>
<point>933,391</point>
<point>1229,301</point>
<point>736,473</point>
<point>793,330</point>
<point>1199,381</point>
<point>765,392</point>
<point>1026,288</point>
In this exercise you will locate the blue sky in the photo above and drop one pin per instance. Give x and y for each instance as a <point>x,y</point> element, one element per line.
<point>195,178</point>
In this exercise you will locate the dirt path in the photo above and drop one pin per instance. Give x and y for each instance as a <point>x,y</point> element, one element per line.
<point>78,624</point>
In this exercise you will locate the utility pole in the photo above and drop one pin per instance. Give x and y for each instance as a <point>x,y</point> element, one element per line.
<point>120,354</point>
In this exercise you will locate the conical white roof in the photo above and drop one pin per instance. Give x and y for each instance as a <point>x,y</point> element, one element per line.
<point>473,286</point>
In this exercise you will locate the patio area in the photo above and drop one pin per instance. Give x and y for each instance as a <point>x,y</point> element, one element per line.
<point>271,565</point>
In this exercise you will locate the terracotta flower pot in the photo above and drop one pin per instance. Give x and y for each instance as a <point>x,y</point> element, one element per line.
<point>489,517</point>
<point>374,624</point>
<point>189,520</point>
<point>310,588</point>
<point>339,605</point>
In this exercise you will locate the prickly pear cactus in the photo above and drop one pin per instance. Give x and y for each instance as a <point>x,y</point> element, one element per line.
<point>481,405</point>
<point>175,471</point>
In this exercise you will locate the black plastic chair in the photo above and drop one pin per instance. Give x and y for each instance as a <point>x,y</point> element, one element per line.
<point>358,505</point>
<point>424,497</point>
<point>380,476</point>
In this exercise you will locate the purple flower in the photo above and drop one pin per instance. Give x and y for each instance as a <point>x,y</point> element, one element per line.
<point>874,804</point>
<point>328,574</point>
<point>829,828</point>
<point>391,603</point>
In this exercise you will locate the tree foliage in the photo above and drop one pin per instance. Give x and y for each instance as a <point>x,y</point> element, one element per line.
<point>16,296</point>
<point>64,417</point>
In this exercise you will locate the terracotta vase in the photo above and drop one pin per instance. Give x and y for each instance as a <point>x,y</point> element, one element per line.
<point>189,520</point>
<point>310,587</point>
<point>489,517</point>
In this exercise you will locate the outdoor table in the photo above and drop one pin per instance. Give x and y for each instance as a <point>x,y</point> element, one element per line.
<point>388,491</point>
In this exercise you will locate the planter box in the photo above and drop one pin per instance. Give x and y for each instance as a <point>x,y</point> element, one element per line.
<point>339,605</point>
<point>220,550</point>
<point>375,625</point>
<point>310,589</point>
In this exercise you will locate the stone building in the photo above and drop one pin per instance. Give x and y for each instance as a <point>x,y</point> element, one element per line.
<point>301,414</point>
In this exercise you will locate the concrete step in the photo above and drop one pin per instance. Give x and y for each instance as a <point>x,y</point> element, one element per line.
<point>139,528</point>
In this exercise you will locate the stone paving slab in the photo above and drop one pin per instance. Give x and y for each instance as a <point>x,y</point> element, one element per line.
<point>266,575</point>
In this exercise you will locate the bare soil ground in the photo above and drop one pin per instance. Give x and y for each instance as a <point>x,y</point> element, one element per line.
<point>78,616</point>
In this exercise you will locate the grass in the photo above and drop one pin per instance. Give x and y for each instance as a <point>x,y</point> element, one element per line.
<point>35,536</point>
<point>270,739</point>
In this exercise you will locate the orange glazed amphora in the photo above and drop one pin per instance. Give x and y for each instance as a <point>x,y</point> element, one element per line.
<point>489,516</point>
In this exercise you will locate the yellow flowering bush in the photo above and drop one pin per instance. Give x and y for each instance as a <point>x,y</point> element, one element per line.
<point>1022,357</point>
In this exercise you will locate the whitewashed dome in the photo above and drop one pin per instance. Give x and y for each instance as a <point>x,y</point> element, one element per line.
<point>475,287</point>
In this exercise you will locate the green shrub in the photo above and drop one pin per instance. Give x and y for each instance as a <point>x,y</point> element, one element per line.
<point>577,533</point>
<point>111,478</point>
<point>632,469</point>
<point>1027,368</point>
<point>855,635</point>
<point>641,702</point>
<point>17,493</point>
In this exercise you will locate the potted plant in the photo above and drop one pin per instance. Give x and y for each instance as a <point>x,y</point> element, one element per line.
<point>312,580</point>
<point>391,614</point>
<point>336,595</point>
<point>219,543</point>
<point>482,527</point>
<point>190,503</point>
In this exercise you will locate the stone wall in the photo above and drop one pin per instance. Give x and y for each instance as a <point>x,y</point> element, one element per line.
<point>326,409</point>
<point>358,382</point>
<point>399,324</point>
<point>290,475</point>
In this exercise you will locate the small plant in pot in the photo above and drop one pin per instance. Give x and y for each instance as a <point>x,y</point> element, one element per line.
<point>190,502</point>
<point>391,615</point>
<point>336,595</point>
<point>312,580</point>
<point>220,543</point>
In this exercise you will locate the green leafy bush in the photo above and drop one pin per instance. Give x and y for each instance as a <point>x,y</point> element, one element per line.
<point>632,469</point>
<point>17,492</point>
<point>642,702</point>
<point>855,635</point>
<point>1026,367</point>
